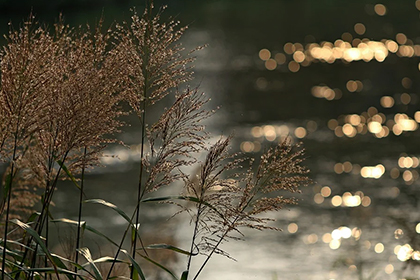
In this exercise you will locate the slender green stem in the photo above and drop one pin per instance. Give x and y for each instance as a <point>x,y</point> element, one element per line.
<point>80,209</point>
<point>9,197</point>
<point>226,232</point>
<point>194,235</point>
<point>141,191</point>
<point>211,253</point>
<point>48,194</point>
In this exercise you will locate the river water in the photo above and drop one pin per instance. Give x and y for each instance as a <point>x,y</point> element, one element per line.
<point>341,77</point>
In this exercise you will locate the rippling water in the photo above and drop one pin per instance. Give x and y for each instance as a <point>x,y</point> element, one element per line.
<point>343,78</point>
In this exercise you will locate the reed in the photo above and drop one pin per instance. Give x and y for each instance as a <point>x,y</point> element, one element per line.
<point>61,96</point>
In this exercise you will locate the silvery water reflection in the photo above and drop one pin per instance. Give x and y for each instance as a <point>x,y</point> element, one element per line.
<point>344,80</point>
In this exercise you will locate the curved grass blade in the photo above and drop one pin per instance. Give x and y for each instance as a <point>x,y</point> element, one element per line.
<point>170,247</point>
<point>159,265</point>
<point>135,265</point>
<point>52,270</point>
<point>86,254</point>
<point>184,275</point>
<point>72,178</point>
<point>112,206</point>
<point>85,227</point>
<point>37,239</point>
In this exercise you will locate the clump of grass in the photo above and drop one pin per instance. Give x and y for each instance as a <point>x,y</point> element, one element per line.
<point>60,97</point>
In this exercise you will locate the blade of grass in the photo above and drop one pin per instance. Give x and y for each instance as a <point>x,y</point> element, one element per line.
<point>160,266</point>
<point>38,240</point>
<point>86,253</point>
<point>85,226</point>
<point>169,247</point>
<point>135,265</point>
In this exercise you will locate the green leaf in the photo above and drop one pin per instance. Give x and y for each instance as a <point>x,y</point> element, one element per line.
<point>184,275</point>
<point>169,247</point>
<point>52,270</point>
<point>112,206</point>
<point>37,239</point>
<point>60,264</point>
<point>73,179</point>
<point>109,259</point>
<point>86,253</point>
<point>68,221</point>
<point>85,226</point>
<point>136,266</point>
<point>159,265</point>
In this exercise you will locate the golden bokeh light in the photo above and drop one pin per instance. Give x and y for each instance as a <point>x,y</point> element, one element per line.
<point>247,146</point>
<point>404,123</point>
<point>269,132</point>
<point>404,252</point>
<point>407,176</point>
<point>345,232</point>
<point>398,233</point>
<point>264,54</point>
<point>360,28</point>
<point>289,48</point>
<point>389,269</point>
<point>355,119</point>
<point>379,248</point>
<point>326,191</point>
<point>257,146</point>
<point>405,98</point>
<point>292,228</point>
<point>391,45</point>
<point>311,239</point>
<point>374,127</point>
<point>335,244</point>
<point>387,101</point>
<point>418,228</point>
<point>418,4</point>
<point>332,124</point>
<point>406,82</point>
<point>338,168</point>
<point>375,172</point>
<point>270,64</point>
<point>353,268</point>
<point>356,233</point>
<point>318,198</point>
<point>261,83</point>
<point>346,36</point>
<point>336,234</point>
<point>401,38</point>
<point>347,166</point>
<point>311,126</point>
<point>366,201</point>
<point>326,238</point>
<point>338,131</point>
<point>336,201</point>
<point>293,66</point>
<point>349,130</point>
<point>280,58</point>
<point>395,173</point>
<point>299,56</point>
<point>257,131</point>
<point>353,86</point>
<point>350,200</point>
<point>326,92</point>
<point>417,116</point>
<point>300,132</point>
<point>380,9</point>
